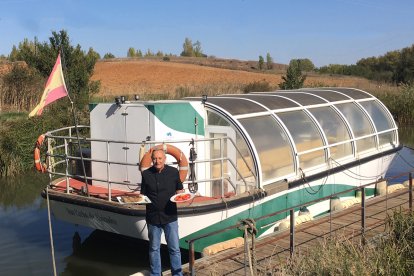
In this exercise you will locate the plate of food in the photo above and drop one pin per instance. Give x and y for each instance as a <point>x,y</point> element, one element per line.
<point>135,199</point>
<point>182,197</point>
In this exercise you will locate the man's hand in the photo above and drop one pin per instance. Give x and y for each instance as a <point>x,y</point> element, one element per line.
<point>179,191</point>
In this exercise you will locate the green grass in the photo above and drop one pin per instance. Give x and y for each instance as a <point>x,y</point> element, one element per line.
<point>10,116</point>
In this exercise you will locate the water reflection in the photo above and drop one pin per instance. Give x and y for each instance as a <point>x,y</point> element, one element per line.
<point>104,253</point>
<point>404,159</point>
<point>406,135</point>
<point>22,190</point>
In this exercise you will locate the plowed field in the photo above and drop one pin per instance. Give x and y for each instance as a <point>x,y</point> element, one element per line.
<point>123,77</point>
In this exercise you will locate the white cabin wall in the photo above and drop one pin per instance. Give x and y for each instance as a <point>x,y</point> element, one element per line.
<point>110,122</point>
<point>173,132</point>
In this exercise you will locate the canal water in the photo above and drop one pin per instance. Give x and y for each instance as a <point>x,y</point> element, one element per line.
<point>25,242</point>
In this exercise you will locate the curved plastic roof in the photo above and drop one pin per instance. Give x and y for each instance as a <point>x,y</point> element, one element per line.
<point>297,130</point>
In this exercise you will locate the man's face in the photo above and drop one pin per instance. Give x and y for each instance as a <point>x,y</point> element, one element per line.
<point>158,159</point>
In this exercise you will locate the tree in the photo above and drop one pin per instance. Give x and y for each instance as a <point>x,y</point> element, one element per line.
<point>131,52</point>
<point>261,63</point>
<point>108,56</point>
<point>21,87</point>
<point>77,65</point>
<point>138,53</point>
<point>198,52</point>
<point>149,53</point>
<point>192,50</point>
<point>187,48</point>
<point>269,62</point>
<point>304,64</point>
<point>294,78</point>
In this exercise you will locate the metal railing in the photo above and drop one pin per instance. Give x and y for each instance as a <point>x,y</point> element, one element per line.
<point>62,153</point>
<point>291,211</point>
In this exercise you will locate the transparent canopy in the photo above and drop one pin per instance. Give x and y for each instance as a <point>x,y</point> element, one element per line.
<point>299,130</point>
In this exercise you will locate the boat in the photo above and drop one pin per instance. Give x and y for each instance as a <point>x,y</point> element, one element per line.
<point>240,156</point>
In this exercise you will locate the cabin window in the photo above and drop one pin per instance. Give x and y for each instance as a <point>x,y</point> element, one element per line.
<point>243,157</point>
<point>360,125</point>
<point>272,145</point>
<point>335,131</point>
<point>237,106</point>
<point>214,119</point>
<point>306,136</point>
<point>381,120</point>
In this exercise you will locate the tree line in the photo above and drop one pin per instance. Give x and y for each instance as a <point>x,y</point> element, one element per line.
<point>190,49</point>
<point>395,67</point>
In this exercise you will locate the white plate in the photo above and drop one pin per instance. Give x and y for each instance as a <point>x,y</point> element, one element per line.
<point>141,200</point>
<point>174,196</point>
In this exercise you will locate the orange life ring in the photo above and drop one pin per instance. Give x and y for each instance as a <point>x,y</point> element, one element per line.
<point>146,161</point>
<point>39,165</point>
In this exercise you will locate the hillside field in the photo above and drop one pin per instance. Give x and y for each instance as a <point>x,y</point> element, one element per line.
<point>129,77</point>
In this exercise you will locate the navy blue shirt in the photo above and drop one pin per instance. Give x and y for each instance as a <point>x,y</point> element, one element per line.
<point>159,187</point>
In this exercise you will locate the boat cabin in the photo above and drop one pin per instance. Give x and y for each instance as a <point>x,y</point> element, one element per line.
<point>239,142</point>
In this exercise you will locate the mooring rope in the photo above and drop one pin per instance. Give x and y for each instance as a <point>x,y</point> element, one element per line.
<point>250,228</point>
<point>52,248</point>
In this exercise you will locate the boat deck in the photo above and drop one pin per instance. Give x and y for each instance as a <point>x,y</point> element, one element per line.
<point>99,192</point>
<point>274,250</point>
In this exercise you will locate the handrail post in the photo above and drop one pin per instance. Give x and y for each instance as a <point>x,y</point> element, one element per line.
<point>292,232</point>
<point>363,215</point>
<point>65,143</point>
<point>191,258</point>
<point>410,191</point>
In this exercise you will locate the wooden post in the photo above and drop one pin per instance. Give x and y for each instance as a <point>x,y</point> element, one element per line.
<point>191,258</point>
<point>410,191</point>
<point>330,217</point>
<point>363,215</point>
<point>292,232</point>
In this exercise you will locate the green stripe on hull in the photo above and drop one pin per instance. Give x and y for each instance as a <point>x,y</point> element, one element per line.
<point>294,198</point>
<point>178,116</point>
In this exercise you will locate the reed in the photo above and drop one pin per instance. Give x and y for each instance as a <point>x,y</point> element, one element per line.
<point>19,134</point>
<point>400,103</point>
<point>388,254</point>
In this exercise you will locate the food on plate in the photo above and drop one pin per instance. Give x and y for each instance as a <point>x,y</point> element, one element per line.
<point>132,199</point>
<point>182,197</point>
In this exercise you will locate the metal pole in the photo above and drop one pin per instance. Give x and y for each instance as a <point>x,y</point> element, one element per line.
<point>292,231</point>
<point>191,258</point>
<point>76,126</point>
<point>330,216</point>
<point>363,215</point>
<point>410,191</point>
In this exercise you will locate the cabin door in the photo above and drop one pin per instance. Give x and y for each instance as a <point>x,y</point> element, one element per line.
<point>222,170</point>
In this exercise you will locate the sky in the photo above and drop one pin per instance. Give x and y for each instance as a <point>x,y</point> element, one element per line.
<point>326,32</point>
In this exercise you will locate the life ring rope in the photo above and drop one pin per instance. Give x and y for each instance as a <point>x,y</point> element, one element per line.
<point>146,161</point>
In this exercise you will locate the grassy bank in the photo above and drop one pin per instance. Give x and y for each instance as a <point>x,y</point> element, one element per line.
<point>19,134</point>
<point>389,254</point>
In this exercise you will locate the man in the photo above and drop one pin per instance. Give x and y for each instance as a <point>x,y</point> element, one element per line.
<point>159,183</point>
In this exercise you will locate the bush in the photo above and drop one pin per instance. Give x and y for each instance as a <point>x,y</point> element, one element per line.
<point>19,134</point>
<point>257,86</point>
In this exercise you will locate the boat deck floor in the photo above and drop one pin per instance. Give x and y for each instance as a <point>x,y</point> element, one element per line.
<point>100,192</point>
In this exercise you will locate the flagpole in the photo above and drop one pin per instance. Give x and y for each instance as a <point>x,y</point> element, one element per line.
<point>76,125</point>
